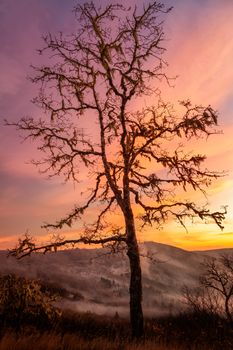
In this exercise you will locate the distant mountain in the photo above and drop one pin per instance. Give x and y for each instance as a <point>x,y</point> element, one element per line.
<point>96,281</point>
<point>216,252</point>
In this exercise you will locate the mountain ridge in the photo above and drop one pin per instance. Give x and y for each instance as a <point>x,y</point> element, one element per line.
<point>96,281</point>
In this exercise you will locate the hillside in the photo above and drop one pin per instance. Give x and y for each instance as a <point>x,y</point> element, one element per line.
<point>93,280</point>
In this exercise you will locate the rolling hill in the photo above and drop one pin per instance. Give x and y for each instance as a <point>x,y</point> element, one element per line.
<point>96,281</point>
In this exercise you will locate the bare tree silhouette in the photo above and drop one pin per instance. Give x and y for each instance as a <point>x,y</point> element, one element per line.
<point>214,293</point>
<point>218,278</point>
<point>98,73</point>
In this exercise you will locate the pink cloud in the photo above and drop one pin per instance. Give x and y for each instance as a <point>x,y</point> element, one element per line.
<point>200,51</point>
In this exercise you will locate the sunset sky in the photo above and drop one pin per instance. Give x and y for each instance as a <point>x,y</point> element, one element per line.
<point>199,51</point>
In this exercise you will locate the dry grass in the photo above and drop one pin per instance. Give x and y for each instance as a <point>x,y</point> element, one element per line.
<point>91,332</point>
<point>53,341</point>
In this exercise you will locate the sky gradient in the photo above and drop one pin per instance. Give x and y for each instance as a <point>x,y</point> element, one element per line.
<point>199,51</point>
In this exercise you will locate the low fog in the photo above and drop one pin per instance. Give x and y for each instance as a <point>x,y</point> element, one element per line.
<point>93,280</point>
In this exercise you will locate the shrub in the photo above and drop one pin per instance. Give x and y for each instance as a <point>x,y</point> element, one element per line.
<point>23,301</point>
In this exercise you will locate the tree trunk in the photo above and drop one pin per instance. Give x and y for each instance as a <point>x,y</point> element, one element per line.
<point>135,289</point>
<point>228,313</point>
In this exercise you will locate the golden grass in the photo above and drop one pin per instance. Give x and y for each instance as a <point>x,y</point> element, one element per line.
<point>92,332</point>
<point>53,341</point>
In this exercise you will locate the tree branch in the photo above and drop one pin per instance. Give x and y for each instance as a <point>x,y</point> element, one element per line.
<point>27,246</point>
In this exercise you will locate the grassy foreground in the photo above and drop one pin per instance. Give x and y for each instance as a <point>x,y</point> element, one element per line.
<point>52,341</point>
<point>92,332</point>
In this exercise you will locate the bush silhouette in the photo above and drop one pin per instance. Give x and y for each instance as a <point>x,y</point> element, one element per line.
<point>24,301</point>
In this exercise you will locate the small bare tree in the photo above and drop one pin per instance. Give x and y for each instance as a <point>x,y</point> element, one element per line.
<point>218,278</point>
<point>215,291</point>
<point>97,74</point>
<point>201,300</point>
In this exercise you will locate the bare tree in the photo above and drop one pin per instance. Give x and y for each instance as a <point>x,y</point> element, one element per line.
<point>214,293</point>
<point>202,300</point>
<point>218,278</point>
<point>98,73</point>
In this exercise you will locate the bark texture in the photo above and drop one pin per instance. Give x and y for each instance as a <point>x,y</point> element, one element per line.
<point>135,289</point>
